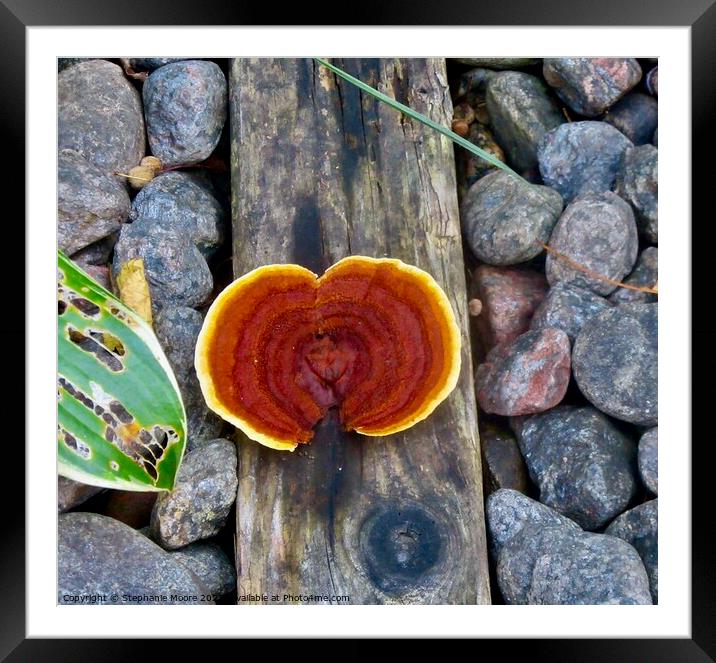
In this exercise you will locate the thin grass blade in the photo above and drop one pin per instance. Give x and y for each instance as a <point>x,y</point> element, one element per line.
<point>459,140</point>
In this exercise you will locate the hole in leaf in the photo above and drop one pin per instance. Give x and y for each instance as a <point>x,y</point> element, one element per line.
<point>161,436</point>
<point>109,341</point>
<point>90,345</point>
<point>150,470</point>
<point>156,450</point>
<point>61,307</point>
<point>122,414</point>
<point>85,306</point>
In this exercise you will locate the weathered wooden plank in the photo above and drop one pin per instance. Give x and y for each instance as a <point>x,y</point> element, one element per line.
<point>319,172</point>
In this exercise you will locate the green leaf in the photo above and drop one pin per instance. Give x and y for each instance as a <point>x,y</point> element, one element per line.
<point>121,419</point>
<point>459,140</point>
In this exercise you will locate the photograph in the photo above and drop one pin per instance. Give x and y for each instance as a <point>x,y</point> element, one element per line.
<point>363,318</point>
<point>364,331</point>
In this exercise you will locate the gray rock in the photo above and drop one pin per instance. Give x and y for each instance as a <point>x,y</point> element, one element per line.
<point>503,463</point>
<point>97,253</point>
<point>649,459</point>
<point>73,493</point>
<point>184,203</point>
<point>636,116</point>
<point>185,106</point>
<point>90,204</point>
<point>567,307</point>
<point>99,115</point>
<point>521,112</point>
<point>498,63</point>
<point>640,527</point>
<point>645,273</point>
<point>598,232</point>
<point>506,221</point>
<point>208,562</point>
<point>64,63</point>
<point>652,81</point>
<point>100,555</point>
<point>203,494</point>
<point>581,157</point>
<point>150,64</point>
<point>176,270</point>
<point>638,184</point>
<point>584,467</point>
<point>177,329</point>
<point>655,139</point>
<point>615,362</point>
<point>524,376</point>
<point>544,558</point>
<point>591,85</point>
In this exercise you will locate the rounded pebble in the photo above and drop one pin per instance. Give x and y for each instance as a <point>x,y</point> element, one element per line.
<point>524,376</point>
<point>498,63</point>
<point>581,157</point>
<point>176,271</point>
<point>99,115</point>
<point>649,459</point>
<point>208,562</point>
<point>90,204</point>
<point>150,64</point>
<point>597,232</point>
<point>521,112</point>
<point>507,221</point>
<point>636,116</point>
<point>509,297</point>
<point>72,493</point>
<point>185,108</point>
<point>199,504</point>
<point>184,203</point>
<point>503,463</point>
<point>567,307</point>
<point>591,85</point>
<point>584,467</point>
<point>640,527</point>
<point>645,274</point>
<point>543,558</point>
<point>638,184</point>
<point>615,362</point>
<point>100,555</point>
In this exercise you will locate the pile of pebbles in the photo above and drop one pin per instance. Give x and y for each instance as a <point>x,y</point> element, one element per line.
<point>113,542</point>
<point>566,359</point>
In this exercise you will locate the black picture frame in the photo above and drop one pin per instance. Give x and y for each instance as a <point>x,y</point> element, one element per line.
<point>700,15</point>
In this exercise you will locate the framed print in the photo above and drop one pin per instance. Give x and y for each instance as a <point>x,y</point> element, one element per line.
<point>372,322</point>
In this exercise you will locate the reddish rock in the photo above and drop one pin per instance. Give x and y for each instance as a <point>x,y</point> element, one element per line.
<point>509,297</point>
<point>130,507</point>
<point>527,375</point>
<point>591,85</point>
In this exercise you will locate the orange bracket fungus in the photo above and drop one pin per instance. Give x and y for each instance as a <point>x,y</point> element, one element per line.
<point>375,338</point>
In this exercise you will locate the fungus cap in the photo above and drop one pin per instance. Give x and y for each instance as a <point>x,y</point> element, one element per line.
<point>279,346</point>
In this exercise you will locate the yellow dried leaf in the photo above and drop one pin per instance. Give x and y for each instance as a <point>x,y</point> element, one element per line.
<point>134,289</point>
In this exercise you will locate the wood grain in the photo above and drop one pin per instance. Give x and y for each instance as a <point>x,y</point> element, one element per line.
<point>321,171</point>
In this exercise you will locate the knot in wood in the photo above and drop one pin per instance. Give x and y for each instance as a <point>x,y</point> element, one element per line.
<point>402,546</point>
